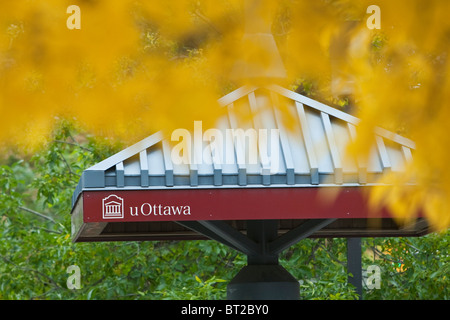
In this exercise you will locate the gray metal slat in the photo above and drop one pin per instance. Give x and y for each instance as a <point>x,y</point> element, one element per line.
<point>126,153</point>
<point>168,165</point>
<point>120,175</point>
<point>314,104</point>
<point>285,147</point>
<point>238,148</point>
<point>264,160</point>
<point>143,161</point>
<point>335,156</point>
<point>213,160</point>
<point>236,94</point>
<point>340,115</point>
<point>193,174</point>
<point>407,154</point>
<point>217,164</point>
<point>362,164</point>
<point>314,167</point>
<point>385,162</point>
<point>155,161</point>
<point>269,134</point>
<point>225,152</point>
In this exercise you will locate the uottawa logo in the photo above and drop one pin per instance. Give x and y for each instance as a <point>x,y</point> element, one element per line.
<point>112,207</point>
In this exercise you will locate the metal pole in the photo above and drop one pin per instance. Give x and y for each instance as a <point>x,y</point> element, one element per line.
<point>263,278</point>
<point>354,264</point>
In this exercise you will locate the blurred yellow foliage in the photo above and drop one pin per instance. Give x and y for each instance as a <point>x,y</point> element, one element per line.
<point>138,66</point>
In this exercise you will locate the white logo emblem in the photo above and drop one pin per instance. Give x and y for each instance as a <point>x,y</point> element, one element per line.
<point>112,207</point>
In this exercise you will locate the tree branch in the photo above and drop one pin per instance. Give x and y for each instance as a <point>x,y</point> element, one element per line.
<point>332,256</point>
<point>68,165</point>
<point>38,273</point>
<point>73,144</point>
<point>37,214</point>
<point>208,22</point>
<point>384,256</point>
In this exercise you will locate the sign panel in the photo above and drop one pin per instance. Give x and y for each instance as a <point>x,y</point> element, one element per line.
<point>227,204</point>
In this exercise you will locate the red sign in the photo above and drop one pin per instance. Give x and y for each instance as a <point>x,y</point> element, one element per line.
<point>227,204</point>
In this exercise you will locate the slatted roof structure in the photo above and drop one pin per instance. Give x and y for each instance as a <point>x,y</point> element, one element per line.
<point>158,198</point>
<point>256,183</point>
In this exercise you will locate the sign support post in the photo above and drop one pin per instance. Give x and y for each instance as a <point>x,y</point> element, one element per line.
<point>263,278</point>
<point>354,264</point>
